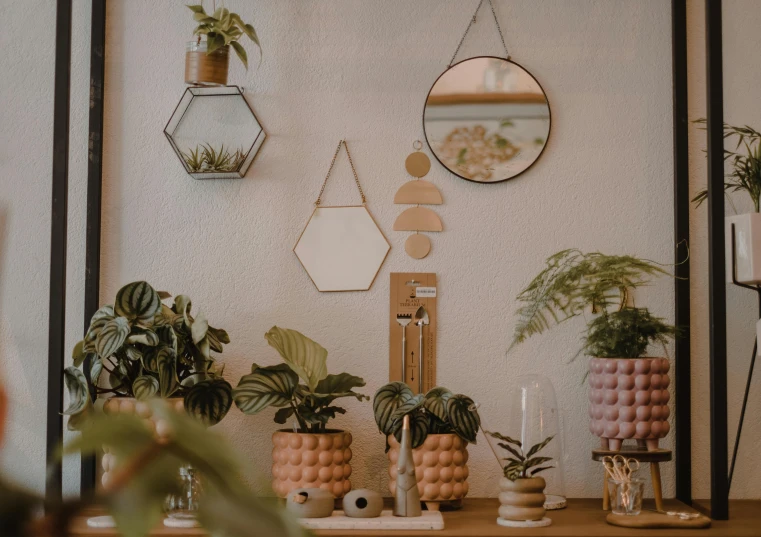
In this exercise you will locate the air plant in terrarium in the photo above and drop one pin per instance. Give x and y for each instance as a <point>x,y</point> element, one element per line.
<point>205,158</point>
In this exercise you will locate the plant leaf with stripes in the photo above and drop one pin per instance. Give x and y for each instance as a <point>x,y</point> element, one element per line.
<point>265,387</point>
<point>78,354</point>
<point>385,402</point>
<point>538,447</point>
<point>95,369</point>
<point>143,335</point>
<point>199,327</point>
<point>505,438</point>
<point>112,337</point>
<point>306,357</point>
<point>76,384</point>
<point>209,400</point>
<point>144,387</point>
<point>464,417</point>
<point>98,320</point>
<point>166,364</point>
<point>436,402</point>
<point>512,450</point>
<point>408,407</point>
<point>419,424</point>
<point>137,301</point>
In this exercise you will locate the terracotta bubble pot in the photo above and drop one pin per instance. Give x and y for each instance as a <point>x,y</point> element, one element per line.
<point>628,399</point>
<point>306,460</point>
<point>522,500</point>
<point>441,469</point>
<point>142,409</point>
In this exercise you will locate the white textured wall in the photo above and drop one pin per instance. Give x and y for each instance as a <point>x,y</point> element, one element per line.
<point>360,70</point>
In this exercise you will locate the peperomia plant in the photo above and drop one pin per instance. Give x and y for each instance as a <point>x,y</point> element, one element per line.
<point>311,403</point>
<point>148,349</point>
<point>438,411</point>
<point>222,29</point>
<point>520,465</point>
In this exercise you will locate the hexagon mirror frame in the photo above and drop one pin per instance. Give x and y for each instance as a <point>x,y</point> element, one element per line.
<point>195,160</point>
<point>342,248</point>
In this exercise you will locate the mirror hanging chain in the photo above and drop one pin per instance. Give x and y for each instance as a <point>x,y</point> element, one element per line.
<point>354,171</point>
<point>472,20</point>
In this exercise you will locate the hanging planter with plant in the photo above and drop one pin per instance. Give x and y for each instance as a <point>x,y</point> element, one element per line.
<point>628,395</point>
<point>311,455</point>
<point>442,424</point>
<point>138,349</point>
<point>208,56</point>
<point>745,176</point>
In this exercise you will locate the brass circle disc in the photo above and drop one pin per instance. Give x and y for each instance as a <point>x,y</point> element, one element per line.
<point>417,246</point>
<point>418,164</point>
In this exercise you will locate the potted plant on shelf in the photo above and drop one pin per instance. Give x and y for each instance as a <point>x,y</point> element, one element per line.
<point>442,424</point>
<point>138,349</point>
<point>521,491</point>
<point>745,176</point>
<point>628,395</point>
<point>310,455</point>
<point>208,56</point>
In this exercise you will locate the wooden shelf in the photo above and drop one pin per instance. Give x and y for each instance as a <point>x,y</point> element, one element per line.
<point>477,518</point>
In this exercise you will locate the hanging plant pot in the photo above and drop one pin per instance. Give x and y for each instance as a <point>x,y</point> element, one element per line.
<point>202,69</point>
<point>747,247</point>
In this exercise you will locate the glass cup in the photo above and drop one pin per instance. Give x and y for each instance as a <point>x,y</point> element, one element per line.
<point>626,496</point>
<point>184,504</point>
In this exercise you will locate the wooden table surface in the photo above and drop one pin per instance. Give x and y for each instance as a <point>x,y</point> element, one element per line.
<point>477,518</point>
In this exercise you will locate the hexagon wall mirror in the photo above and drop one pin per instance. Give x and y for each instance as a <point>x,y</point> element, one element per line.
<point>342,248</point>
<point>214,132</point>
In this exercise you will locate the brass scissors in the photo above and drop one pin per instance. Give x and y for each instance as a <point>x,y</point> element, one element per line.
<point>619,467</point>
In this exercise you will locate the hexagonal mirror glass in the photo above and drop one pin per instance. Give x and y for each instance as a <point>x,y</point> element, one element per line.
<point>215,132</point>
<point>342,248</point>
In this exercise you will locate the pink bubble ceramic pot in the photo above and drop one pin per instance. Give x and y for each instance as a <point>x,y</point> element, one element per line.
<point>311,460</point>
<point>441,469</point>
<point>628,399</point>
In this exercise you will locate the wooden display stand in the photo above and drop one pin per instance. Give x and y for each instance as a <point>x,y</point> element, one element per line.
<point>654,458</point>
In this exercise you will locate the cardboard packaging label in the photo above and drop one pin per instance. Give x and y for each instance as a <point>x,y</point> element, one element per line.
<point>409,291</point>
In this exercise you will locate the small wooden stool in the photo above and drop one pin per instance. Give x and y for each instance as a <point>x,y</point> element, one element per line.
<point>640,454</point>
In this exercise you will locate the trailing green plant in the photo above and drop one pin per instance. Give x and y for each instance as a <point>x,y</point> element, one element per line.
<point>310,403</point>
<point>746,164</point>
<point>141,348</point>
<point>223,28</point>
<point>573,282</point>
<point>204,158</point>
<point>520,464</point>
<point>437,412</point>
<point>145,472</point>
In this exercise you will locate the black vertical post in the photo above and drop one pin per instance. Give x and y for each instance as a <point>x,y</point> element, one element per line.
<point>717,285</point>
<point>57,310</point>
<point>94,189</point>
<point>682,388</point>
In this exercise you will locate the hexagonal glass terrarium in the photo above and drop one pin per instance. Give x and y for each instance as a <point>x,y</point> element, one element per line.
<point>342,248</point>
<point>215,132</point>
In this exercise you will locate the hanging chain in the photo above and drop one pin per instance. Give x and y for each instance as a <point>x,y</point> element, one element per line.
<point>354,171</point>
<point>472,20</point>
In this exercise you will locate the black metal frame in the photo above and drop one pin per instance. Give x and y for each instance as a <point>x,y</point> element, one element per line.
<point>94,188</point>
<point>57,309</point>
<point>683,404</point>
<point>716,270</point>
<point>681,233</point>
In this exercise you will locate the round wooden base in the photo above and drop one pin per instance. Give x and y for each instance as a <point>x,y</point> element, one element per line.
<point>101,522</point>
<point>181,523</point>
<point>524,523</point>
<point>553,502</point>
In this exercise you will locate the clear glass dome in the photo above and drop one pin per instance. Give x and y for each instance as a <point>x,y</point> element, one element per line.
<point>528,412</point>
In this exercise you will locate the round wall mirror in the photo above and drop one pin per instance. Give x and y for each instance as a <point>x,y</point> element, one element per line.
<point>486,119</point>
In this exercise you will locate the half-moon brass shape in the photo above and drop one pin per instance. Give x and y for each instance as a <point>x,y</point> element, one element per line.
<point>419,191</point>
<point>418,219</point>
<point>418,164</point>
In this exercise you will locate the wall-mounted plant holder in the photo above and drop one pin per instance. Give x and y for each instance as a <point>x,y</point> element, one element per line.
<point>215,133</point>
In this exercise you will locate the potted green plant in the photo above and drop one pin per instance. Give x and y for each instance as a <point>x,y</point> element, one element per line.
<point>442,424</point>
<point>138,349</point>
<point>628,393</point>
<point>208,56</point>
<point>310,454</point>
<point>521,490</point>
<point>744,176</point>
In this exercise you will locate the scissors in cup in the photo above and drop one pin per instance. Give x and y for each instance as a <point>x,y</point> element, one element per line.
<point>619,468</point>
